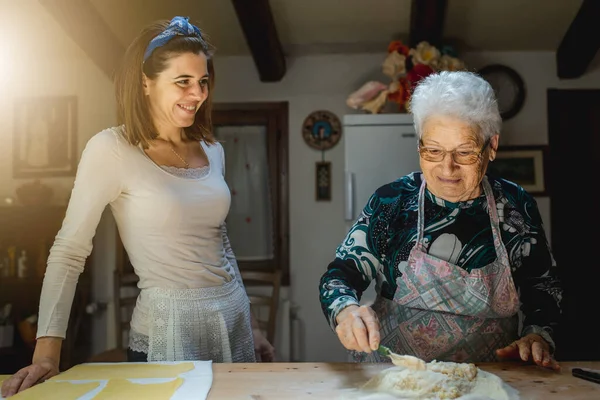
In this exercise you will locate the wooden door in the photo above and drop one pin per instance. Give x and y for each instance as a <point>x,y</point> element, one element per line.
<point>271,120</point>
<point>574,139</point>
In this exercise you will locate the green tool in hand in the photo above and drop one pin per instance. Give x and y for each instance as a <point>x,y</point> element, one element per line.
<point>384,351</point>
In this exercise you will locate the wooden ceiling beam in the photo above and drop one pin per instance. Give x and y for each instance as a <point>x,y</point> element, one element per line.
<point>85,26</point>
<point>581,42</point>
<point>427,22</point>
<point>258,25</point>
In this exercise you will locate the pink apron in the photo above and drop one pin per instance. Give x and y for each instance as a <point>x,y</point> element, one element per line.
<point>442,312</point>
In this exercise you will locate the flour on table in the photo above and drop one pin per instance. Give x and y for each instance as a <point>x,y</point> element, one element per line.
<point>441,380</point>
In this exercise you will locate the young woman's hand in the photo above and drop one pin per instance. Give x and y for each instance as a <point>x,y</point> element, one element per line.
<point>31,375</point>
<point>265,352</point>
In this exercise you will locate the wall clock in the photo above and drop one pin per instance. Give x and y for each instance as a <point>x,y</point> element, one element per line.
<point>321,130</point>
<point>508,86</point>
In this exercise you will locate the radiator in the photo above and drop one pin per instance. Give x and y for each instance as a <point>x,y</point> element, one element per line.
<point>288,334</point>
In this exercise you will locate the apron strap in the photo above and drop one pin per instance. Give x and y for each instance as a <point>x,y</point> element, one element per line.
<point>501,252</point>
<point>421,215</point>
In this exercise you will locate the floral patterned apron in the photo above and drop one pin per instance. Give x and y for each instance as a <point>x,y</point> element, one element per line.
<point>442,312</point>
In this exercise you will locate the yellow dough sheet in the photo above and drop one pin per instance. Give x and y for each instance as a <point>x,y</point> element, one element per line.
<point>123,371</point>
<point>124,389</point>
<point>56,391</point>
<point>108,381</point>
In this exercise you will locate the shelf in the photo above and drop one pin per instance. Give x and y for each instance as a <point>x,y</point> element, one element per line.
<point>34,229</point>
<point>31,281</point>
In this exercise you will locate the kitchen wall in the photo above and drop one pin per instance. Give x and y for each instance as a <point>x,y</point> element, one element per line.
<point>41,60</point>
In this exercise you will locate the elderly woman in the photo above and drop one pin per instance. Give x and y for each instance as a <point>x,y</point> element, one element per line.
<point>462,266</point>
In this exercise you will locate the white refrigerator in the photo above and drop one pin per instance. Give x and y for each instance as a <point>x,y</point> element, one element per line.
<point>379,148</point>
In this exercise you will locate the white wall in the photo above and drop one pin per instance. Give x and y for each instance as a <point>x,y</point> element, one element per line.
<point>538,70</point>
<point>311,83</point>
<point>530,126</point>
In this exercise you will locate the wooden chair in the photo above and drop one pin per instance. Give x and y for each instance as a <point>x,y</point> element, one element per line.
<point>264,305</point>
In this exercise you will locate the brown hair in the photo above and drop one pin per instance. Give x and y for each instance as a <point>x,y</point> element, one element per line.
<point>133,110</point>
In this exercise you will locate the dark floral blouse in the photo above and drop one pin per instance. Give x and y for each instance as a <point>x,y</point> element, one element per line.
<point>378,245</point>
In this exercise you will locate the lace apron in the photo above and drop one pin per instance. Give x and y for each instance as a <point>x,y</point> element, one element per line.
<point>440,311</point>
<point>200,324</point>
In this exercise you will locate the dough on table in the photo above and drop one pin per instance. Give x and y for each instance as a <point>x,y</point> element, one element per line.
<point>441,380</point>
<point>454,370</point>
<point>119,371</point>
<point>56,391</point>
<point>123,389</point>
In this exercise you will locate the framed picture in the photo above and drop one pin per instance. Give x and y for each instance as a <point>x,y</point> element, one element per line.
<point>45,137</point>
<point>323,180</point>
<point>524,165</point>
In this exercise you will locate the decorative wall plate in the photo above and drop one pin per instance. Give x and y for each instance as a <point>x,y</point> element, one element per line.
<point>321,130</point>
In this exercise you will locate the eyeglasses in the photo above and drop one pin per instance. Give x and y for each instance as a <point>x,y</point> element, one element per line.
<point>434,154</point>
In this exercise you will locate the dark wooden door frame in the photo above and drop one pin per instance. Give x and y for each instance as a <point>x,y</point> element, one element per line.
<point>274,115</point>
<point>555,174</point>
<point>574,137</point>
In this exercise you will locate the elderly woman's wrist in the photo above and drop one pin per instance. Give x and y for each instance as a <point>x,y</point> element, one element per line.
<point>343,313</point>
<point>543,332</point>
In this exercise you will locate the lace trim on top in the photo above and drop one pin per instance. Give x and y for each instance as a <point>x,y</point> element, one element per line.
<point>189,173</point>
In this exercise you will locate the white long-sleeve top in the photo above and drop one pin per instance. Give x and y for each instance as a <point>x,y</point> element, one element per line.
<point>170,226</point>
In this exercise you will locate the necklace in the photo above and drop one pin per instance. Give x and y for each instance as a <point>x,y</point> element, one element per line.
<point>187,165</point>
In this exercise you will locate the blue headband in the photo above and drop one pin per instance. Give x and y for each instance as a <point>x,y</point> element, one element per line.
<point>179,26</point>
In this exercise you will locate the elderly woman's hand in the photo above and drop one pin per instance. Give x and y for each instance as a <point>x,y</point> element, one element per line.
<point>358,328</point>
<point>530,346</point>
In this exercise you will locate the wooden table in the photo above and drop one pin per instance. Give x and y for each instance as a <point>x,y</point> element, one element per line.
<point>284,381</point>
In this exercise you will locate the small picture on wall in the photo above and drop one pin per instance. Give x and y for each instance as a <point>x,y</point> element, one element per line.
<point>323,180</point>
<point>523,165</point>
<point>45,137</point>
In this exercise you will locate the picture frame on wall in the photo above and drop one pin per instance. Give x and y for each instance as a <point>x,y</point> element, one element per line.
<point>45,137</point>
<point>523,165</point>
<point>323,181</point>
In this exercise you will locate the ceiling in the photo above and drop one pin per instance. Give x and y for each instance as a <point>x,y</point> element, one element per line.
<point>351,26</point>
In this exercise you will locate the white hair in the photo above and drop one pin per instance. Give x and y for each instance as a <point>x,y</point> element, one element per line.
<point>460,94</point>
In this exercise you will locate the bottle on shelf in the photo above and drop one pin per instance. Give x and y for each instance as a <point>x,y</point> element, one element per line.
<point>22,269</point>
